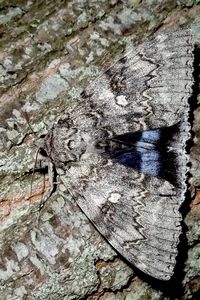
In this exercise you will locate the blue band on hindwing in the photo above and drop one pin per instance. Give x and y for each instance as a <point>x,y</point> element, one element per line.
<point>149,151</point>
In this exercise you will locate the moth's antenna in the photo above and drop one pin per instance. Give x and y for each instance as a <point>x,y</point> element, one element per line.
<point>51,171</point>
<point>26,117</point>
<point>34,167</point>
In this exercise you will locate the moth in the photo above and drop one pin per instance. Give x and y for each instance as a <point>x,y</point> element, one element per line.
<point>120,150</point>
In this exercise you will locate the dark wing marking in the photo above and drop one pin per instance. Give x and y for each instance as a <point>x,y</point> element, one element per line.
<point>152,152</point>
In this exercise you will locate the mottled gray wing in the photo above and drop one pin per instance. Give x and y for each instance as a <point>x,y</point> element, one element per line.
<point>138,214</point>
<point>147,85</point>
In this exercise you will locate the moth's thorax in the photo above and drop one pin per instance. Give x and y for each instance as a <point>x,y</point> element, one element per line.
<point>66,145</point>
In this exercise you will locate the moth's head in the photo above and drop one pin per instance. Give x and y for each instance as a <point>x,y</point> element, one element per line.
<point>66,143</point>
<point>62,144</point>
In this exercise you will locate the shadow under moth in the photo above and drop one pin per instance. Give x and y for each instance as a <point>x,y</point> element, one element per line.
<point>120,150</point>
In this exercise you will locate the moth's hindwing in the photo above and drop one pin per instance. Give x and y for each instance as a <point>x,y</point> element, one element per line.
<point>153,152</point>
<point>122,150</point>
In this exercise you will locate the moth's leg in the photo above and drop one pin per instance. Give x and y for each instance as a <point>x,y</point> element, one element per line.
<point>52,185</point>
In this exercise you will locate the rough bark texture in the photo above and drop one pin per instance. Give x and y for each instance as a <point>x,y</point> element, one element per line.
<point>49,53</point>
